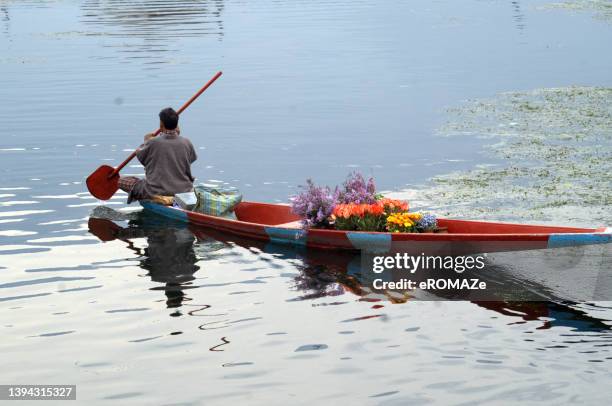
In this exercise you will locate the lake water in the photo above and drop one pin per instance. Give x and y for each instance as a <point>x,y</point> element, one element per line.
<point>149,312</point>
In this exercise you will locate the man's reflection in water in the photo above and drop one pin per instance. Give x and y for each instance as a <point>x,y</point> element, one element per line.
<point>169,257</point>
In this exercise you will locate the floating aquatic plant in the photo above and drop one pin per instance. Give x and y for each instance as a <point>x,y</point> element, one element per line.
<point>555,151</point>
<point>601,8</point>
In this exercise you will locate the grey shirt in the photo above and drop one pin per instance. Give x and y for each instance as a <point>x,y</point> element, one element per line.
<point>167,159</point>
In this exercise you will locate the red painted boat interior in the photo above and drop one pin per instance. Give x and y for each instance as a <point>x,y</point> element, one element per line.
<point>280,214</point>
<point>265,213</point>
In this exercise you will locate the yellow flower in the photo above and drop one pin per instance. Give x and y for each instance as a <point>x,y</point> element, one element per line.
<point>403,221</point>
<point>414,216</point>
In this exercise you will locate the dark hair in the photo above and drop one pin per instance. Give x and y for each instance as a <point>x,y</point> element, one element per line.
<point>169,117</point>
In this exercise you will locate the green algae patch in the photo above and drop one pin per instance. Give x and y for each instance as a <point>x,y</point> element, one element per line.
<point>555,152</point>
<point>602,9</point>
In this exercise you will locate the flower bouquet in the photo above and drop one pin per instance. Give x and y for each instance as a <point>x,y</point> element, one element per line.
<point>366,217</point>
<point>357,207</point>
<point>315,205</point>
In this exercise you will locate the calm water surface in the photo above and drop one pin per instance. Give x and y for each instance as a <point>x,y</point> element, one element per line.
<point>148,312</point>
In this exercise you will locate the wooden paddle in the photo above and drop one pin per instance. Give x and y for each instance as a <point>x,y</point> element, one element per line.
<point>104,181</point>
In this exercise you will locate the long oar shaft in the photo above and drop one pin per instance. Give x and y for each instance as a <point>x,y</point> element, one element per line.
<point>179,111</point>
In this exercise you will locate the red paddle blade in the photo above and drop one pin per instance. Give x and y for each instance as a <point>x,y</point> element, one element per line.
<point>99,184</point>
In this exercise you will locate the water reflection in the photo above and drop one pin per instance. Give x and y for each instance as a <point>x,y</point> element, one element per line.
<point>6,19</point>
<point>518,16</point>
<point>550,313</point>
<point>169,257</point>
<point>318,280</point>
<point>147,28</point>
<point>174,249</point>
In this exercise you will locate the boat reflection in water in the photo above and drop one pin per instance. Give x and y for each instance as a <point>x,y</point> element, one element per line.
<point>150,31</point>
<point>158,19</point>
<point>174,250</point>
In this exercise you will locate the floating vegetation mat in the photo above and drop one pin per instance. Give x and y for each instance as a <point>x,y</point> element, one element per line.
<point>555,147</point>
<point>601,8</point>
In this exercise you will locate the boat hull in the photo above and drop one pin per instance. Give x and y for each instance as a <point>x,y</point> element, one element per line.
<point>277,224</point>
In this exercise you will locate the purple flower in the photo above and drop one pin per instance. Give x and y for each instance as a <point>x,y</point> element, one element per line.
<point>356,190</point>
<point>315,204</point>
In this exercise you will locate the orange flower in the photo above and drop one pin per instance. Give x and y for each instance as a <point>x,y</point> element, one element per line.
<point>359,209</point>
<point>343,210</point>
<point>351,209</point>
<point>393,204</point>
<point>376,209</point>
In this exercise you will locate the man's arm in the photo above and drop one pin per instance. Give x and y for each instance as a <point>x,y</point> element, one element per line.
<point>148,136</point>
<point>192,153</point>
<point>143,151</point>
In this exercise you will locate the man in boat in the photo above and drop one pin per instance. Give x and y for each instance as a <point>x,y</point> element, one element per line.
<point>167,159</point>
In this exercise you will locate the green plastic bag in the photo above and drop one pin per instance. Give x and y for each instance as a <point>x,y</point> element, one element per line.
<point>216,202</point>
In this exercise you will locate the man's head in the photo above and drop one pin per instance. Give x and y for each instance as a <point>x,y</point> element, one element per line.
<point>168,119</point>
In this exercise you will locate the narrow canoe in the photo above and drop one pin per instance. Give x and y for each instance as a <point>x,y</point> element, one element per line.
<point>276,223</point>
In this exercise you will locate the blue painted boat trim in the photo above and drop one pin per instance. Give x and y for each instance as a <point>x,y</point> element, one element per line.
<point>287,235</point>
<point>571,240</point>
<point>371,242</point>
<point>166,211</point>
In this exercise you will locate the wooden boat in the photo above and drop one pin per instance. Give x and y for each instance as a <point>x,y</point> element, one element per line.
<point>276,223</point>
<point>321,274</point>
